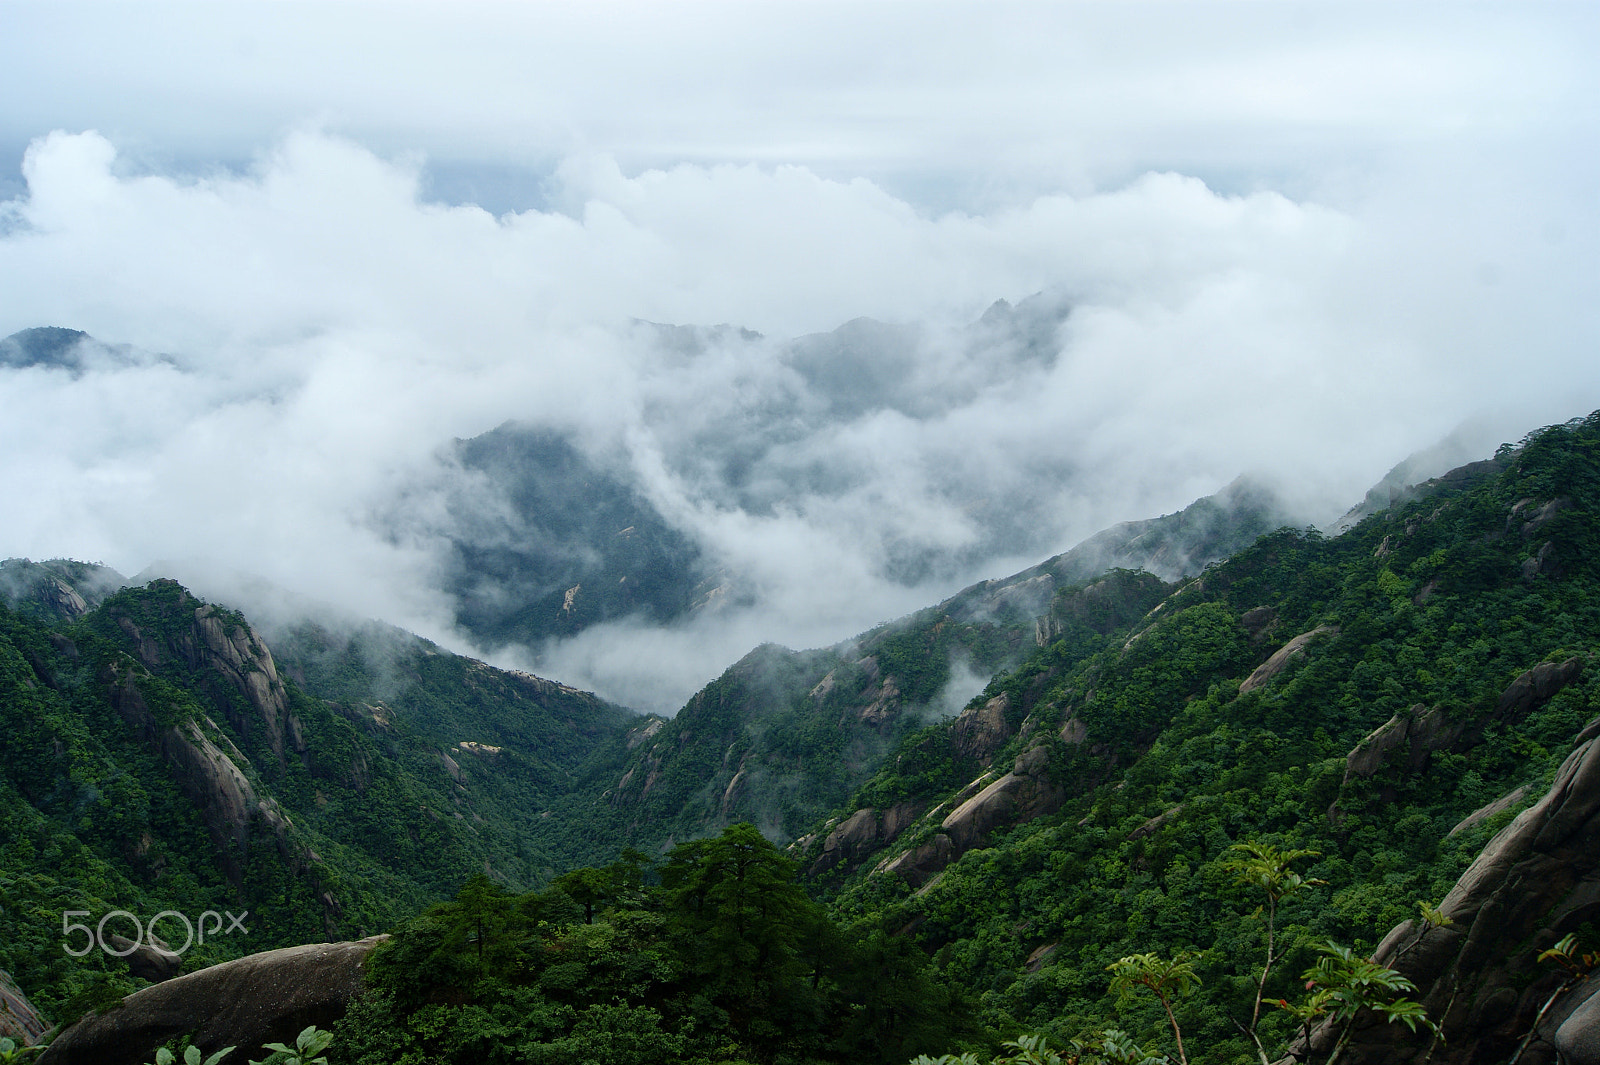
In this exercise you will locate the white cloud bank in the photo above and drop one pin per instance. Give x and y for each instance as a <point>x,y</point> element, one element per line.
<point>329,329</point>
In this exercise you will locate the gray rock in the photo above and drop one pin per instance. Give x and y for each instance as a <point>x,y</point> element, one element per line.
<point>18,1019</point>
<point>1578,1037</point>
<point>263,998</point>
<point>1257,620</point>
<point>1483,813</point>
<point>149,960</point>
<point>1535,688</point>
<point>1535,881</point>
<point>981,731</point>
<point>1280,658</point>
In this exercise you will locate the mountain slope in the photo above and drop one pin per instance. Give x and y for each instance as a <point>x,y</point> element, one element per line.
<point>562,544</point>
<point>157,757</point>
<point>783,736</point>
<point>1362,697</point>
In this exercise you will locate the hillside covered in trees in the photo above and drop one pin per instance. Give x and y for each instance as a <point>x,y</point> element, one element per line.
<point>1367,710</point>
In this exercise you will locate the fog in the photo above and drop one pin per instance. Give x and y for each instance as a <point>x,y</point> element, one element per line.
<point>1241,263</point>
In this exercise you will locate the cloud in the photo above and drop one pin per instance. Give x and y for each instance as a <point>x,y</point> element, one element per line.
<point>327,330</point>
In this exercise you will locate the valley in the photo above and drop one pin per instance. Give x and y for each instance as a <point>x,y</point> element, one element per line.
<point>994,799</point>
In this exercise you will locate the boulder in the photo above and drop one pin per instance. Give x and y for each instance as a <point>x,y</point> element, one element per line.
<point>920,864</point>
<point>1258,620</point>
<point>1482,814</point>
<point>1534,882</point>
<point>852,837</point>
<point>1535,688</point>
<point>1021,795</point>
<point>981,731</point>
<point>863,833</point>
<point>1280,658</point>
<point>1411,737</point>
<point>263,998</point>
<point>19,1021</point>
<point>1578,1037</point>
<point>151,960</point>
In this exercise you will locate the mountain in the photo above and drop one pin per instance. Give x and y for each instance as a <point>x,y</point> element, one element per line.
<point>1409,708</point>
<point>1385,701</point>
<point>566,543</point>
<point>783,736</point>
<point>158,756</point>
<point>72,350</point>
<point>341,774</point>
<point>551,531</point>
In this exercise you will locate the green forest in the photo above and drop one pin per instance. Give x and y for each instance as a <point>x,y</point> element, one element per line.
<point>1220,791</point>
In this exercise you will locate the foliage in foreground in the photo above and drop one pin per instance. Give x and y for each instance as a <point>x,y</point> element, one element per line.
<point>1435,606</point>
<point>717,955</point>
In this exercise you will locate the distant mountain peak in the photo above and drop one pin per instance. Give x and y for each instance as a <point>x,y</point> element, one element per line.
<point>54,347</point>
<point>47,345</point>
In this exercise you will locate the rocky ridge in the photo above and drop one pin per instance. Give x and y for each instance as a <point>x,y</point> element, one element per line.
<point>1537,880</point>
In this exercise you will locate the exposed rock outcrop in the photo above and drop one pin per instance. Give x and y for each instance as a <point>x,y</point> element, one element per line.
<point>1483,813</point>
<point>1026,792</point>
<point>1411,737</point>
<point>1280,658</point>
<point>922,863</point>
<point>230,654</point>
<point>1258,621</point>
<point>151,960</point>
<point>259,999</point>
<point>981,731</point>
<point>1021,795</point>
<point>1537,880</point>
<point>18,1019</point>
<point>1535,688</point>
<point>60,590</point>
<point>863,833</point>
<point>212,779</point>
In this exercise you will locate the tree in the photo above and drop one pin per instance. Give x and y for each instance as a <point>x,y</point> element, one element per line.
<point>736,897</point>
<point>587,887</point>
<point>1266,868</point>
<point>1166,979</point>
<point>1342,984</point>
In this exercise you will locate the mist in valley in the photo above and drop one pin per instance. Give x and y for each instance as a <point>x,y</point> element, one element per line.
<point>827,359</point>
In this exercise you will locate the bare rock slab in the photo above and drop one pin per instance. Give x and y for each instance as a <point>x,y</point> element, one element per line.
<point>263,998</point>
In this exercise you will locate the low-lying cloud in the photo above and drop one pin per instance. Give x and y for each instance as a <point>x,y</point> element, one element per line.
<point>325,332</point>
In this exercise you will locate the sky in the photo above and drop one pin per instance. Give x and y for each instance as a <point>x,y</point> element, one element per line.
<point>1297,240</point>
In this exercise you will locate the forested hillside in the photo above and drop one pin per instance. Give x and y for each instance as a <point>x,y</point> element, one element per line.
<point>1308,740</point>
<point>783,736</point>
<point>1385,699</point>
<point>1357,715</point>
<point>157,758</point>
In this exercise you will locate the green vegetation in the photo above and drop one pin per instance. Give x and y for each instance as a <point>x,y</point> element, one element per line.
<point>150,765</point>
<point>11,1054</point>
<point>307,1049</point>
<point>1433,610</point>
<point>1207,823</point>
<point>717,955</point>
<point>191,1056</point>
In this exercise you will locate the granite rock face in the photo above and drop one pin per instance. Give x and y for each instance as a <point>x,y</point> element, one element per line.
<point>863,833</point>
<point>1534,882</point>
<point>1026,792</point>
<point>18,1019</point>
<point>263,998</point>
<point>1281,657</point>
<point>981,731</point>
<point>1409,740</point>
